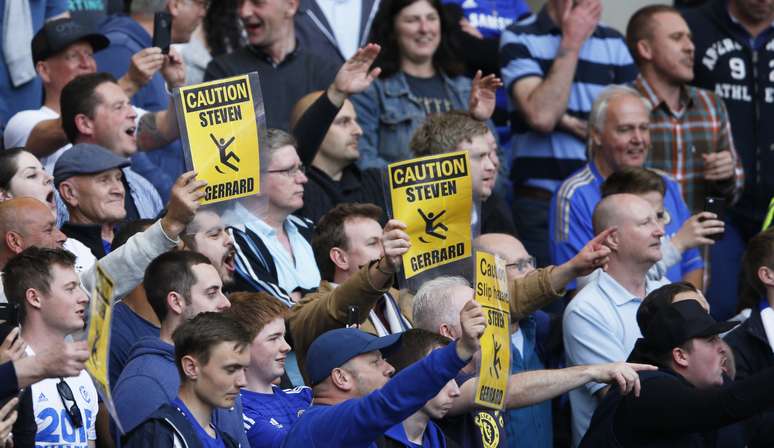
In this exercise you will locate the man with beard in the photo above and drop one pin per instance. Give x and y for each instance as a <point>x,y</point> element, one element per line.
<point>207,235</point>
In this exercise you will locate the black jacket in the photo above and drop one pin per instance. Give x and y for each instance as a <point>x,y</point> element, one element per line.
<point>165,425</point>
<point>753,354</point>
<point>88,234</point>
<point>671,412</point>
<point>725,63</point>
<point>322,193</point>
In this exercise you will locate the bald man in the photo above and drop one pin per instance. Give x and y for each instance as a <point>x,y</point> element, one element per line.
<point>531,425</point>
<point>26,222</point>
<point>600,324</point>
<point>325,125</point>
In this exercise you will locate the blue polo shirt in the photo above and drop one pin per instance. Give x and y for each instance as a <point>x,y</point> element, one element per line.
<point>528,48</point>
<point>573,205</point>
<point>530,426</point>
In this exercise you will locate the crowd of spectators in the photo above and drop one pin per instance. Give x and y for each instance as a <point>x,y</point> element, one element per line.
<point>625,178</point>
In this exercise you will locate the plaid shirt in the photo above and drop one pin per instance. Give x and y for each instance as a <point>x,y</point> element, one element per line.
<point>678,141</point>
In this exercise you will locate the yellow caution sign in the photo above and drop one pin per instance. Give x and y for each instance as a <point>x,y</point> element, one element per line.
<point>220,134</point>
<point>492,293</point>
<point>100,315</point>
<point>434,197</point>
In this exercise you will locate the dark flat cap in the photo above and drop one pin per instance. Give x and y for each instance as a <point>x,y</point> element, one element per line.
<point>86,158</point>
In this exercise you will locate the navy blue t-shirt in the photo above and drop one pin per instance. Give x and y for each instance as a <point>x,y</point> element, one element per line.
<point>127,327</point>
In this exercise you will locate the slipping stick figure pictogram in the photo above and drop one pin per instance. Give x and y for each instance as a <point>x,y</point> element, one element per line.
<point>431,225</point>
<point>225,157</point>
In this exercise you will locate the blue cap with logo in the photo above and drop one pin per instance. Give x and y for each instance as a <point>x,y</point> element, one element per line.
<point>335,347</point>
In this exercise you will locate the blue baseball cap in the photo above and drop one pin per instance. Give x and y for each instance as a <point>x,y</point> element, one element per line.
<point>335,347</point>
<point>86,158</point>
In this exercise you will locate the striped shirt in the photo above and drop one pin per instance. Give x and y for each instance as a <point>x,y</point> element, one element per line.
<point>528,48</point>
<point>573,205</point>
<point>263,263</point>
<point>680,139</point>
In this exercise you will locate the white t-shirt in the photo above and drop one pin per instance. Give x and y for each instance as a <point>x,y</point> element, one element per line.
<point>54,426</point>
<point>20,126</point>
<point>344,19</point>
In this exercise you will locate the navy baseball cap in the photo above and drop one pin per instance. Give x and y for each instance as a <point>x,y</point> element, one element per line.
<point>59,34</point>
<point>86,158</point>
<point>335,347</point>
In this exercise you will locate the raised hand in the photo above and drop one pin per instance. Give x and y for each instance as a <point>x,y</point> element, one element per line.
<point>481,103</point>
<point>696,230</point>
<point>183,203</point>
<point>579,21</point>
<point>143,65</point>
<point>355,75</point>
<point>173,69</point>
<point>595,254</point>
<point>395,242</point>
<point>473,324</point>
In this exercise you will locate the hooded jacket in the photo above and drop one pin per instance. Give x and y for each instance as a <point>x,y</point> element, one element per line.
<point>168,427</point>
<point>726,62</point>
<point>150,380</point>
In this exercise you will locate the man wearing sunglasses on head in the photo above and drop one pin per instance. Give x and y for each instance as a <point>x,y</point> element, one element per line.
<point>44,287</point>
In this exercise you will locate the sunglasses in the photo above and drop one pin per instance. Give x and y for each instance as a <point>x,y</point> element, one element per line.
<point>66,394</point>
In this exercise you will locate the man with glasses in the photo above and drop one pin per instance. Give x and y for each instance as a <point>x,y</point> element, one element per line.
<point>43,285</point>
<point>273,253</point>
<point>531,425</point>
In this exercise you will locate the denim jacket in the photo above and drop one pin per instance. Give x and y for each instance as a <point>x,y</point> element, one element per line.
<point>389,117</point>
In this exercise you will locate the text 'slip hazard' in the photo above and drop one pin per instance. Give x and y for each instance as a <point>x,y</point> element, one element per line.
<point>434,197</point>
<point>221,135</point>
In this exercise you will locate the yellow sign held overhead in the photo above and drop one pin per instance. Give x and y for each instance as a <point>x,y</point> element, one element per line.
<point>433,196</point>
<point>220,133</point>
<point>493,295</point>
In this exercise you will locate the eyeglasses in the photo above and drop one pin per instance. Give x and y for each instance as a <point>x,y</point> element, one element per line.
<point>523,264</point>
<point>66,395</point>
<point>290,172</point>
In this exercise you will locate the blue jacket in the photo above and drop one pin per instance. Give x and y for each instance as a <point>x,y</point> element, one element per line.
<point>163,165</point>
<point>389,117</point>
<point>165,425</point>
<point>150,379</point>
<point>358,422</point>
<point>432,438</point>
